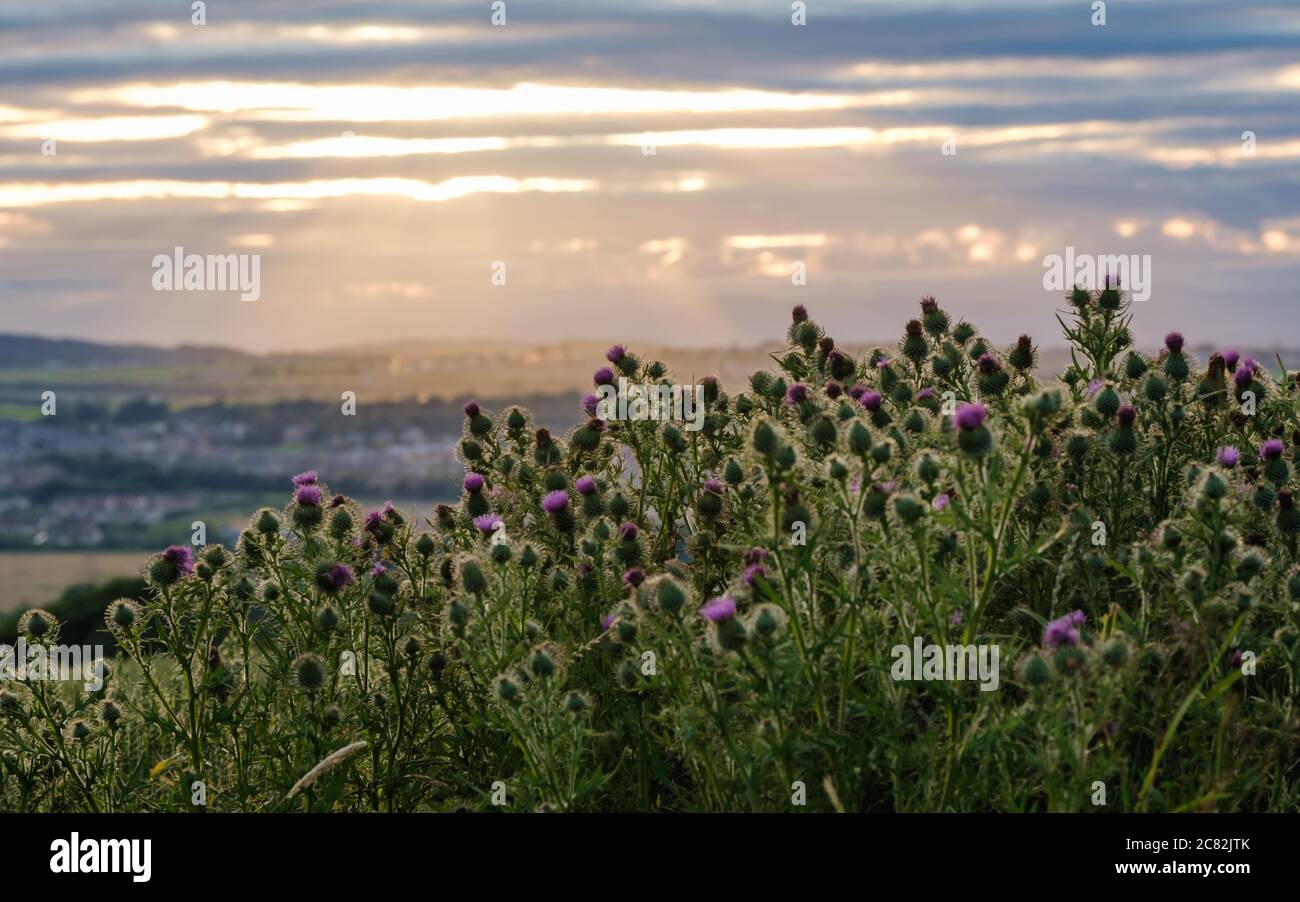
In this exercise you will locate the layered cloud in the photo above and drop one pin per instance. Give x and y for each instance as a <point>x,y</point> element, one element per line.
<point>657,170</point>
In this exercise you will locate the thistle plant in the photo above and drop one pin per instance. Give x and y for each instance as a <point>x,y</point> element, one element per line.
<point>639,616</point>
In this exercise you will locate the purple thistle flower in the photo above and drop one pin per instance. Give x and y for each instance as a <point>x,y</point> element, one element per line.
<point>472,409</point>
<point>338,577</point>
<point>628,532</point>
<point>1174,342</point>
<point>486,523</point>
<point>1127,415</point>
<point>713,486</point>
<point>1230,359</point>
<point>473,483</point>
<point>616,353</point>
<point>1250,363</point>
<point>603,376</point>
<point>871,400</point>
<point>181,557</point>
<point>555,502</point>
<point>1271,449</point>
<point>306,478</point>
<point>940,502</point>
<point>833,390</point>
<point>925,394</point>
<point>308,495</point>
<point>857,391</point>
<point>1095,387</point>
<point>1228,457</point>
<point>1063,630</point>
<point>796,394</point>
<point>1235,658</point>
<point>389,509</point>
<point>719,609</point>
<point>1243,376</point>
<point>586,485</point>
<point>373,519</point>
<point>591,403</point>
<point>955,619</point>
<point>884,363</point>
<point>755,556</point>
<point>971,416</point>
<point>988,364</point>
<point>378,569</point>
<point>633,577</point>
<point>607,621</point>
<point>753,572</point>
<point>799,313</point>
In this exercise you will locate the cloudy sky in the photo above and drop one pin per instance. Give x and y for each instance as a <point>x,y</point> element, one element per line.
<point>643,170</point>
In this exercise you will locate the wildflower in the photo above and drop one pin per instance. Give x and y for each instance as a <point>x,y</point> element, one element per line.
<point>333,578</point>
<point>603,376</point>
<point>1230,359</point>
<point>1271,449</point>
<point>753,573</point>
<point>799,313</point>
<point>308,672</point>
<point>586,485</point>
<point>633,577</point>
<point>940,502</point>
<point>1228,457</point>
<point>473,483</point>
<point>615,354</point>
<point>122,614</point>
<point>971,416</point>
<point>1095,386</point>
<point>590,404</point>
<point>871,400</point>
<point>719,609</point>
<point>36,624</point>
<point>1063,630</point>
<point>1243,377</point>
<point>308,495</point>
<point>796,394</point>
<point>487,523</point>
<point>1174,342</point>
<point>110,713</point>
<point>307,478</point>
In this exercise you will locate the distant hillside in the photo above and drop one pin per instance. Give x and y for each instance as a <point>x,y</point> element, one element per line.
<point>108,375</point>
<point>33,352</point>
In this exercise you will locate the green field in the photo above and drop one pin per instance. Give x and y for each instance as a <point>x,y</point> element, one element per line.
<point>38,577</point>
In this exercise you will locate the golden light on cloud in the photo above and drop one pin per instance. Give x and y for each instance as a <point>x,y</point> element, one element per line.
<point>1275,240</point>
<point>363,146</point>
<point>758,242</point>
<point>39,194</point>
<point>1126,228</point>
<point>290,102</point>
<point>108,128</point>
<point>1178,228</point>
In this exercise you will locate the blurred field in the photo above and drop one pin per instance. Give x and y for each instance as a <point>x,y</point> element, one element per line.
<point>28,577</point>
